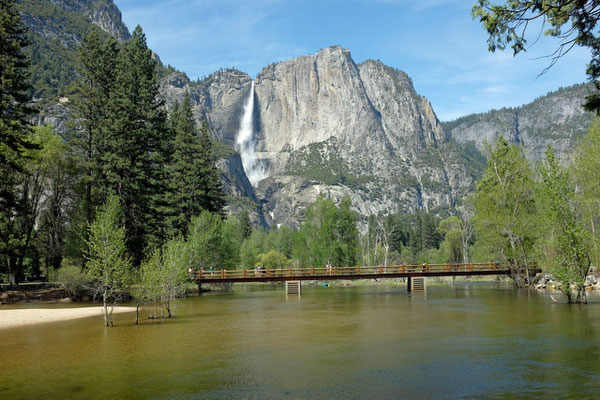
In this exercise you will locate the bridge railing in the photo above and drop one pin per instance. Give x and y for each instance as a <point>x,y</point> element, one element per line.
<point>346,271</point>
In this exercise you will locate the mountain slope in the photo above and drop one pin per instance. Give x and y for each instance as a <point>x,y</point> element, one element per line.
<point>557,118</point>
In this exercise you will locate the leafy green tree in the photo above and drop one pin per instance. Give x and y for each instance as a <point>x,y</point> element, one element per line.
<point>251,247</point>
<point>59,176</point>
<point>173,272</point>
<point>571,259</point>
<point>273,260</point>
<point>505,211</point>
<point>328,235</point>
<point>452,246</point>
<point>211,242</point>
<point>34,182</point>
<point>586,172</point>
<point>571,22</point>
<point>146,288</point>
<point>107,262</point>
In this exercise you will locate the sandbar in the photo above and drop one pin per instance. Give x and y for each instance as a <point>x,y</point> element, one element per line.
<point>32,316</point>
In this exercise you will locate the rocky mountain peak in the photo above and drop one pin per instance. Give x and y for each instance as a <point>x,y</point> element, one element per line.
<point>102,13</point>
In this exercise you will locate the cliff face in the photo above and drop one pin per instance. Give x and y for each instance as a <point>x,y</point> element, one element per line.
<point>556,119</point>
<point>324,125</point>
<point>321,123</point>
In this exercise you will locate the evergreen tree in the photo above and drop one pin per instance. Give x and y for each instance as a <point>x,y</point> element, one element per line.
<point>212,197</point>
<point>135,134</point>
<point>245,224</point>
<point>14,137</point>
<point>186,173</point>
<point>14,140</point>
<point>98,55</point>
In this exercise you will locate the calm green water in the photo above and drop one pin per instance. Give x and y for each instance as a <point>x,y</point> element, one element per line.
<point>464,341</point>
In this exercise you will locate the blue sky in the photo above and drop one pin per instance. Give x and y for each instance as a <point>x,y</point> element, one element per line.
<point>435,41</point>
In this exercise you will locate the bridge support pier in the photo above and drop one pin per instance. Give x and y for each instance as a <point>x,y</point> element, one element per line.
<point>416,284</point>
<point>293,287</point>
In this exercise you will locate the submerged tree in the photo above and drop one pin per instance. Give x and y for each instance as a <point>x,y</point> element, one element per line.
<point>586,172</point>
<point>505,210</point>
<point>107,263</point>
<point>571,259</point>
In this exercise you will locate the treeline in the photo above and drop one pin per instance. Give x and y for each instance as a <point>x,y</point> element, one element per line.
<point>542,216</point>
<point>122,144</point>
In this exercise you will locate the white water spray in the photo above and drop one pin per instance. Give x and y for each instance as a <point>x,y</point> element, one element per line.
<point>246,144</point>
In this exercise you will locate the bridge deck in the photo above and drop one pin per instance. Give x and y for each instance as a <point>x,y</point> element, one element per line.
<point>394,271</point>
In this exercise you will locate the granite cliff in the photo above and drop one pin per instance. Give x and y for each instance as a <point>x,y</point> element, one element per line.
<point>557,118</point>
<point>325,125</point>
<point>321,123</point>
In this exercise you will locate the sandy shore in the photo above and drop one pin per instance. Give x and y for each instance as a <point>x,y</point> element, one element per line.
<point>33,316</point>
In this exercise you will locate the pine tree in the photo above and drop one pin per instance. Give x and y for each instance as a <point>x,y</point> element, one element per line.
<point>186,174</point>
<point>135,131</point>
<point>15,135</point>
<point>14,140</point>
<point>98,56</point>
<point>212,197</point>
<point>196,185</point>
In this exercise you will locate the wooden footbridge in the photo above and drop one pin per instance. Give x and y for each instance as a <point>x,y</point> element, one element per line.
<point>335,273</point>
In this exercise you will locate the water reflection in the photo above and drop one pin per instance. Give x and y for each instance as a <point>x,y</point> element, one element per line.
<point>462,341</point>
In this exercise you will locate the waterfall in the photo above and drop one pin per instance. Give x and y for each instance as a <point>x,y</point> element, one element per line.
<point>245,143</point>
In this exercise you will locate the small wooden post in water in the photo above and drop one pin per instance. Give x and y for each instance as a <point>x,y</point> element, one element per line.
<point>293,287</point>
<point>416,284</point>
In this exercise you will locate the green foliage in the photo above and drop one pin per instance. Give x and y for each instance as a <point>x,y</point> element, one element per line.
<point>107,263</point>
<point>195,181</point>
<point>73,279</point>
<point>15,141</point>
<point>273,260</point>
<point>570,22</point>
<point>213,242</point>
<point>505,210</point>
<point>319,162</point>
<point>586,173</point>
<point>59,171</point>
<point>452,247</point>
<point>328,235</point>
<point>568,250</point>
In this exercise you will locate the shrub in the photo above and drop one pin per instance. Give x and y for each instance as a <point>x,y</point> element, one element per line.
<point>73,280</point>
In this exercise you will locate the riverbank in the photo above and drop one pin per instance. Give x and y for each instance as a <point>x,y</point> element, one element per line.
<point>32,293</point>
<point>33,316</point>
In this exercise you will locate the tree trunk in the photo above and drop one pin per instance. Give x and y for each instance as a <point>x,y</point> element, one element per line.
<point>137,313</point>
<point>168,305</point>
<point>104,295</point>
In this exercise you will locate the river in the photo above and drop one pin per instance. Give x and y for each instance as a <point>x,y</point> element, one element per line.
<point>470,340</point>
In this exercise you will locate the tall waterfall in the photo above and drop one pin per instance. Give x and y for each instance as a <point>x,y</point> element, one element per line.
<point>246,144</point>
